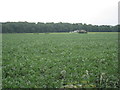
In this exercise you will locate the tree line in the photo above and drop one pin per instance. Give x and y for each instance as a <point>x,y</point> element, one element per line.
<point>28,27</point>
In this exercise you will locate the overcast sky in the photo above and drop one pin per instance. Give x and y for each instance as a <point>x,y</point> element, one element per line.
<point>96,12</point>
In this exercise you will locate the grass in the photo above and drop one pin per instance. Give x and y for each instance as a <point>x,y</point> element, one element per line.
<point>60,60</point>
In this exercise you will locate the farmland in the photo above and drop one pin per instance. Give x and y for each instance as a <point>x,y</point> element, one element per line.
<point>57,60</point>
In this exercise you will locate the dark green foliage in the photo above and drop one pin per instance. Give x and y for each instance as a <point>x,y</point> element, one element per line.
<point>26,27</point>
<point>58,60</point>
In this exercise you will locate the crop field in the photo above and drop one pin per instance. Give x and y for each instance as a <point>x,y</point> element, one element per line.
<point>60,60</point>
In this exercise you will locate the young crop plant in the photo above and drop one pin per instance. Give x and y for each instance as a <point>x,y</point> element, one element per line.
<point>60,60</point>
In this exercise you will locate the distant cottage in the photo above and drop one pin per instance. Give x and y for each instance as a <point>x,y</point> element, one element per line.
<point>79,31</point>
<point>82,31</point>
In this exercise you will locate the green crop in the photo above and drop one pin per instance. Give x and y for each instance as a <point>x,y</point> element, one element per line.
<point>60,60</point>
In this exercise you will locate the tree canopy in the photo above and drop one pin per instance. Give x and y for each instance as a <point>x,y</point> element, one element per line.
<point>40,27</point>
